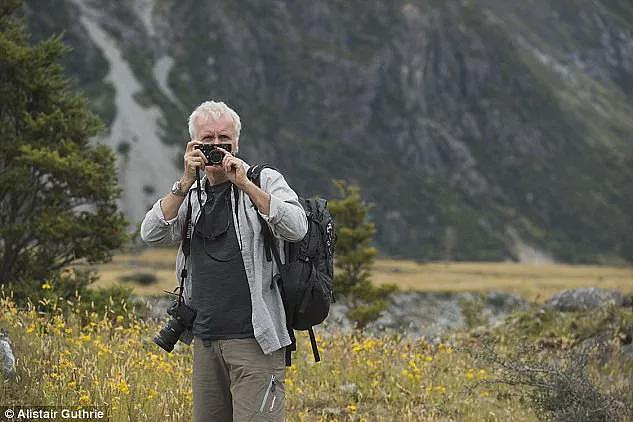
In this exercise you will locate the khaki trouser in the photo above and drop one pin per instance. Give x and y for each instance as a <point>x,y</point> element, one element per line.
<point>234,380</point>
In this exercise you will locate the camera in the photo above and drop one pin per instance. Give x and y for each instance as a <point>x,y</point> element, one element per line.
<point>182,318</point>
<point>213,154</point>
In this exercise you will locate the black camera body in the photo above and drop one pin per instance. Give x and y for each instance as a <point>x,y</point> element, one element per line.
<point>182,319</point>
<point>213,154</point>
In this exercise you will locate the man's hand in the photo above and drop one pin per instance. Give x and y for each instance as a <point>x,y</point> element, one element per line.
<point>236,173</point>
<point>234,169</point>
<point>193,158</point>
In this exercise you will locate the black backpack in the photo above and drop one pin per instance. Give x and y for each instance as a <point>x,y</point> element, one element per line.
<point>305,279</point>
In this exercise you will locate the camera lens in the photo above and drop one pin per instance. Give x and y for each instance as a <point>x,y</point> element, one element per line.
<point>216,156</point>
<point>168,335</point>
<point>183,317</point>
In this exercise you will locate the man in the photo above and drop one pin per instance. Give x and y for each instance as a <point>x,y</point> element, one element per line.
<point>239,334</point>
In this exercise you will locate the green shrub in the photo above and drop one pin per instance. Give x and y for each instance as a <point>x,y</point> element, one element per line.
<point>558,385</point>
<point>144,279</point>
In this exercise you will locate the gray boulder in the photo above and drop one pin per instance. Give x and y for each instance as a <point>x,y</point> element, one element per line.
<point>584,298</point>
<point>7,359</point>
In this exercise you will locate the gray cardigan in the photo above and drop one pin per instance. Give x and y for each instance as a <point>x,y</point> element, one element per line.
<point>287,220</point>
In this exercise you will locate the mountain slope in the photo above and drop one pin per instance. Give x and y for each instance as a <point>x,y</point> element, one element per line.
<point>481,130</point>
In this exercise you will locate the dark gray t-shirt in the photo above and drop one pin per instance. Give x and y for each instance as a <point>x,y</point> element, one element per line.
<point>220,291</point>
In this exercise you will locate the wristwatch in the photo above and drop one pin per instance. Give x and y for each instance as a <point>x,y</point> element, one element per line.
<point>176,189</point>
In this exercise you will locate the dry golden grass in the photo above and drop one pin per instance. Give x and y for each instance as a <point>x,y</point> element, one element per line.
<point>532,281</point>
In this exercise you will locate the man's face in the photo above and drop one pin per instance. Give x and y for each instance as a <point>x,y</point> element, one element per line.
<point>221,131</point>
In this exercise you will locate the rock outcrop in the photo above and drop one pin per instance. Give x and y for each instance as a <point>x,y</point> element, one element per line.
<point>7,359</point>
<point>585,298</point>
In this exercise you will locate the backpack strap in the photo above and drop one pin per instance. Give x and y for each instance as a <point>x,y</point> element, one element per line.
<point>315,349</point>
<point>253,173</point>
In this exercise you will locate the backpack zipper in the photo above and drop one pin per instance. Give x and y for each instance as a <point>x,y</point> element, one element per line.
<point>269,389</point>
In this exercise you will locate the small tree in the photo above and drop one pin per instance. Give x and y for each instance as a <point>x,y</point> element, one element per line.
<point>355,256</point>
<point>48,170</point>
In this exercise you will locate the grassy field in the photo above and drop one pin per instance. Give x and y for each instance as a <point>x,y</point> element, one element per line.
<point>110,361</point>
<point>66,357</point>
<point>534,282</point>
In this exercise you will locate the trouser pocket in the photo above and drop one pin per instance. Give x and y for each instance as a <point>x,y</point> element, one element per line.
<point>257,386</point>
<point>272,397</point>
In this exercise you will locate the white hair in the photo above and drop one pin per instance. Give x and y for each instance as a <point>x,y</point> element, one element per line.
<point>214,110</point>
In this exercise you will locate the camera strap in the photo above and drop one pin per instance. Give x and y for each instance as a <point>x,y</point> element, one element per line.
<point>186,245</point>
<point>187,231</point>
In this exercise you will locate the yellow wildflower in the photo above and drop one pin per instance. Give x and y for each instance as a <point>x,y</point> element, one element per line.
<point>123,387</point>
